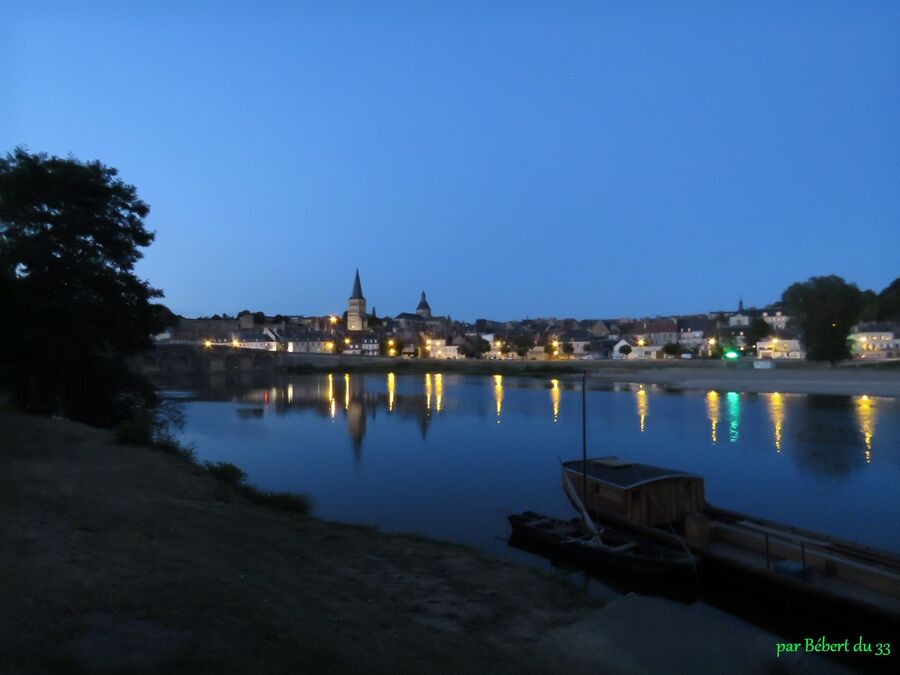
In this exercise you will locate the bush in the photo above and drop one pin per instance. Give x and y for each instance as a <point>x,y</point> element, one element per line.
<point>226,472</point>
<point>236,477</point>
<point>286,501</point>
<point>155,428</point>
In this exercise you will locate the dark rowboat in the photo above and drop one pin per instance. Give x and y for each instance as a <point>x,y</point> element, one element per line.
<point>573,542</point>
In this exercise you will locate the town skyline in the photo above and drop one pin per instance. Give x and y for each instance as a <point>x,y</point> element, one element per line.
<point>511,160</point>
<point>737,305</point>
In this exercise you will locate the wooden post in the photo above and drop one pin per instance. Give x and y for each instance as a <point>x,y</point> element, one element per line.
<point>584,440</point>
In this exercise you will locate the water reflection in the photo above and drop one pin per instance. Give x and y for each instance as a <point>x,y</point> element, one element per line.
<point>733,404</point>
<point>865,415</point>
<point>367,465</point>
<point>391,387</point>
<point>554,397</point>
<point>438,390</point>
<point>775,404</point>
<point>346,391</point>
<point>642,408</point>
<point>712,413</point>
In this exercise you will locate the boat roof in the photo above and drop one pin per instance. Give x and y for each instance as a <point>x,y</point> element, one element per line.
<point>623,474</point>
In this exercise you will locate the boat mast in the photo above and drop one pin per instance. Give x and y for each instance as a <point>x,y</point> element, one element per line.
<point>583,439</point>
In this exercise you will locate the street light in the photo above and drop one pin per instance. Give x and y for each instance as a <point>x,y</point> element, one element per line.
<point>207,343</point>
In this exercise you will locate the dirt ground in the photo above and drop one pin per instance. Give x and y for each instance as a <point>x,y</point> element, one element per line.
<point>123,559</point>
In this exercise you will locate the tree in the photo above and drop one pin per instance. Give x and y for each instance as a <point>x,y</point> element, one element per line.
<point>625,349</point>
<point>889,301</point>
<point>523,344</point>
<point>73,310</point>
<point>671,349</point>
<point>757,330</point>
<point>482,347</point>
<point>568,348</point>
<point>870,306</point>
<point>825,308</point>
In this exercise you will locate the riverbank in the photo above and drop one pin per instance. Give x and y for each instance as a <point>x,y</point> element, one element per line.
<point>125,559</point>
<point>785,377</point>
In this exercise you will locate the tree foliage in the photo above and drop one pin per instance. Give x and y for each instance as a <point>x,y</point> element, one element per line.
<point>889,301</point>
<point>523,344</point>
<point>757,330</point>
<point>74,311</point>
<point>671,349</point>
<point>825,308</point>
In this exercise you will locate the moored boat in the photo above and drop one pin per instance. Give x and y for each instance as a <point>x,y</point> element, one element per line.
<point>669,507</point>
<point>574,542</point>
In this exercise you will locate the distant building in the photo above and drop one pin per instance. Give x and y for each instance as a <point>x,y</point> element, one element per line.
<point>776,319</point>
<point>257,338</point>
<point>439,349</point>
<point>356,307</point>
<point>874,340</point>
<point>307,342</point>
<point>361,343</point>
<point>423,309</point>
<point>778,348</point>
<point>638,351</point>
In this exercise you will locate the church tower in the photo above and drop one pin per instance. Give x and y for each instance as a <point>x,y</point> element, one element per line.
<point>424,309</point>
<point>356,307</point>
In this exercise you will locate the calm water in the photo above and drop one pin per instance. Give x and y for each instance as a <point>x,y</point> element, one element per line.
<point>445,455</point>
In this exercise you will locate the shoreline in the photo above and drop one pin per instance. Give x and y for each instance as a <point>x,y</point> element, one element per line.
<point>793,378</point>
<point>125,558</point>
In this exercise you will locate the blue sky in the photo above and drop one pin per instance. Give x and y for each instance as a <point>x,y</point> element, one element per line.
<point>512,159</point>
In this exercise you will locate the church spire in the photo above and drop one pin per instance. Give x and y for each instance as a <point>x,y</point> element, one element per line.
<point>357,288</point>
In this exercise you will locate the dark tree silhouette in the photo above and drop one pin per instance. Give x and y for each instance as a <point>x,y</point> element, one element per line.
<point>757,330</point>
<point>889,301</point>
<point>826,308</point>
<point>73,310</point>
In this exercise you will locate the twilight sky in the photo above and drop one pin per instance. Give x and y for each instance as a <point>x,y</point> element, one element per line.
<point>512,159</point>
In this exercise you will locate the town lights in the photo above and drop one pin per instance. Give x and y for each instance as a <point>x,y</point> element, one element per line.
<point>235,343</point>
<point>712,341</point>
<point>207,343</point>
<point>333,319</point>
<point>641,342</point>
<point>329,346</point>
<point>346,341</point>
<point>390,343</point>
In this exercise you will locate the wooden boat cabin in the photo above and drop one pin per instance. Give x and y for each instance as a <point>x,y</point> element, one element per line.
<point>638,493</point>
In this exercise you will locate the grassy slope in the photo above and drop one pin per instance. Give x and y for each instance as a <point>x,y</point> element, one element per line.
<point>123,559</point>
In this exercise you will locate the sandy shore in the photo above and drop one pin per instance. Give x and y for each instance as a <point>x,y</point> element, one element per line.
<point>118,559</point>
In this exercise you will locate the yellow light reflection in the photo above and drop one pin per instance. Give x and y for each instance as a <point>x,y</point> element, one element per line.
<point>775,403</point>
<point>438,390</point>
<point>642,406</point>
<point>330,387</point>
<point>333,408</point>
<point>712,412</point>
<point>346,391</point>
<point>554,396</point>
<point>290,394</point>
<point>865,415</point>
<point>427,391</point>
<point>498,394</point>
<point>391,386</point>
